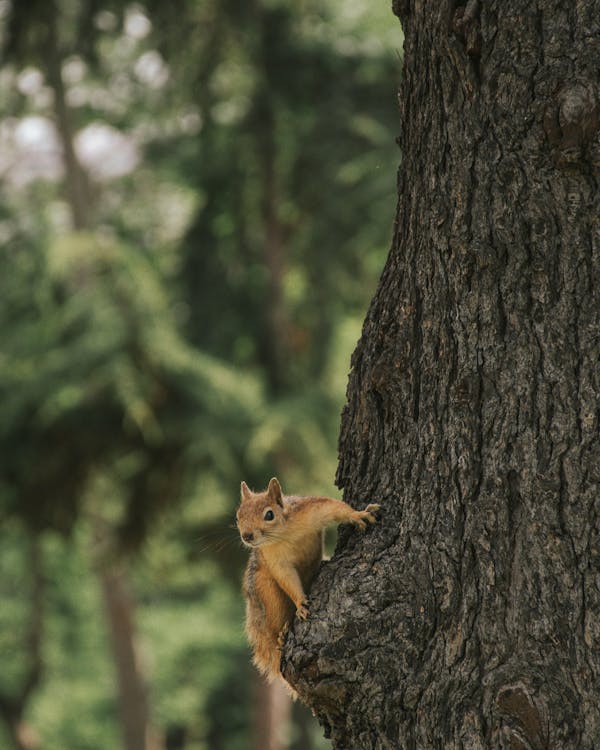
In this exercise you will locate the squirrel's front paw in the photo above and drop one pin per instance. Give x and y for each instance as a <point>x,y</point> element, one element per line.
<point>302,610</point>
<point>362,517</point>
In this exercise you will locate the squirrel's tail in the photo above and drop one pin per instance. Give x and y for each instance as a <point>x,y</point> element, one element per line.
<point>267,658</point>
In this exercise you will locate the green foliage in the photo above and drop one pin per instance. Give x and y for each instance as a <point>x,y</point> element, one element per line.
<point>196,644</point>
<point>76,648</point>
<point>190,643</point>
<point>240,160</point>
<point>275,162</point>
<point>95,368</point>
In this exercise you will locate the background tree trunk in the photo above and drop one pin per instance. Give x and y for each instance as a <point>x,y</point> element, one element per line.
<point>76,180</point>
<point>270,714</point>
<point>133,700</point>
<point>470,616</point>
<point>138,733</point>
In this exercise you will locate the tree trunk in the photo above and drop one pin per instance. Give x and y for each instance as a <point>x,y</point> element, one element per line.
<point>469,617</point>
<point>271,713</point>
<point>133,700</point>
<point>276,346</point>
<point>76,181</point>
<point>137,730</point>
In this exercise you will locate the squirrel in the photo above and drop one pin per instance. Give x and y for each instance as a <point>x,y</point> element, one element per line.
<point>285,535</point>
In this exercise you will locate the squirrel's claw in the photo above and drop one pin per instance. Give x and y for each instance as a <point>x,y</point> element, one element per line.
<point>365,516</point>
<point>302,610</point>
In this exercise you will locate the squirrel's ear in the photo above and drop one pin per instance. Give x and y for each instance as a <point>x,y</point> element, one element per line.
<point>245,491</point>
<point>274,491</point>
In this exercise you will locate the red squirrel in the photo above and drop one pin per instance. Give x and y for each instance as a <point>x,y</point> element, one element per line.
<point>285,535</point>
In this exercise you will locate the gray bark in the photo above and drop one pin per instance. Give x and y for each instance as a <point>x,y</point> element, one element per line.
<point>469,617</point>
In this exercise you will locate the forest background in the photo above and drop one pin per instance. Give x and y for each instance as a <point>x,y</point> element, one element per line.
<point>196,205</point>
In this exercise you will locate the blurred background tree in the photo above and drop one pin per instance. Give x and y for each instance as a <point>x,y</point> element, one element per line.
<point>196,206</point>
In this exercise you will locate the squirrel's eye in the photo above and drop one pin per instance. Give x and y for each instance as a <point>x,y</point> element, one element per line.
<point>269,515</point>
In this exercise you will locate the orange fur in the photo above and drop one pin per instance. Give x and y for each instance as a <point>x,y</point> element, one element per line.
<point>287,550</point>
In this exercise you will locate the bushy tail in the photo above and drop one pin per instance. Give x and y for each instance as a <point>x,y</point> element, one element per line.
<point>267,658</point>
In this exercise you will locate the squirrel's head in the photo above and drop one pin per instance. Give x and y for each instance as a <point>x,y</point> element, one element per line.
<point>261,515</point>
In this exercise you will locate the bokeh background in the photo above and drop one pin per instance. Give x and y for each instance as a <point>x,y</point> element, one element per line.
<point>196,202</point>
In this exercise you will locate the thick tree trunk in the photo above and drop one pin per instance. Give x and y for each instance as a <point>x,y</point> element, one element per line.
<point>470,616</point>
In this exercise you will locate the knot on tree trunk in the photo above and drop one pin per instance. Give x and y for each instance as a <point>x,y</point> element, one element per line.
<point>521,723</point>
<point>572,124</point>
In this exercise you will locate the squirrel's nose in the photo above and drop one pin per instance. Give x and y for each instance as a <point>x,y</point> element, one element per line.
<point>248,536</point>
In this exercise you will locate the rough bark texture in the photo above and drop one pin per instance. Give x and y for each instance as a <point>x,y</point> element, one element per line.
<point>470,616</point>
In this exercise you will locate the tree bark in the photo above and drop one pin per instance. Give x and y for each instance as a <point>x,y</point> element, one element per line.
<point>469,617</point>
